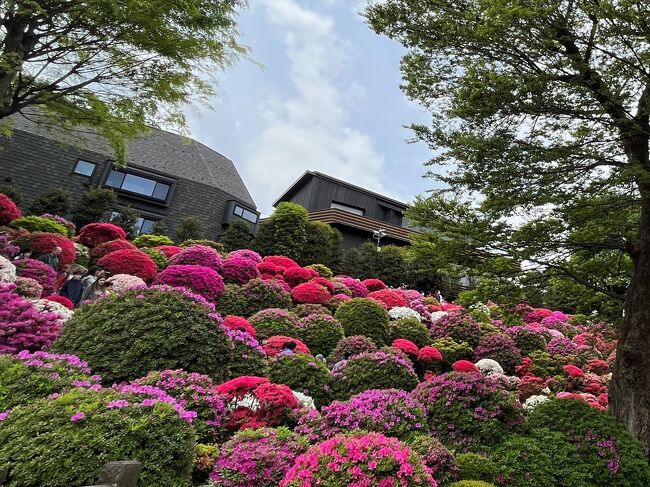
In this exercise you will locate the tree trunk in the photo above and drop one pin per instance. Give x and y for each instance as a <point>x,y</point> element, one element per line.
<point>629,391</point>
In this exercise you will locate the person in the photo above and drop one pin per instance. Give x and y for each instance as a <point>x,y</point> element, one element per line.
<point>288,348</point>
<point>52,259</point>
<point>320,358</point>
<point>94,272</point>
<point>97,289</point>
<point>73,288</point>
<point>439,297</point>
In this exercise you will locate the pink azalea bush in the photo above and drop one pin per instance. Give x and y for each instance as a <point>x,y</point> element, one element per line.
<point>123,282</point>
<point>239,270</point>
<point>39,271</point>
<point>198,255</point>
<point>202,280</point>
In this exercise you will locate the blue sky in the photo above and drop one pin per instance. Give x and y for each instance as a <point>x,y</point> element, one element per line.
<point>324,96</point>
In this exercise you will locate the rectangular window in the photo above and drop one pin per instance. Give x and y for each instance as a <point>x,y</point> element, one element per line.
<point>245,214</point>
<point>141,185</point>
<point>144,225</point>
<point>349,209</point>
<point>84,168</point>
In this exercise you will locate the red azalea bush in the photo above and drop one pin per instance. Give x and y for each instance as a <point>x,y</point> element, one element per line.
<point>130,261</point>
<point>268,268</point>
<point>200,255</point>
<point>326,283</point>
<point>201,280</point>
<point>464,366</point>
<point>296,275</point>
<point>42,243</point>
<point>274,344</point>
<point>238,323</point>
<point>374,284</point>
<point>39,271</point>
<point>111,246</point>
<point>22,326</point>
<point>310,293</point>
<point>8,210</point>
<point>239,270</point>
<point>429,354</point>
<point>392,299</point>
<point>169,251</point>
<point>61,300</point>
<point>406,346</point>
<point>280,261</point>
<point>94,234</point>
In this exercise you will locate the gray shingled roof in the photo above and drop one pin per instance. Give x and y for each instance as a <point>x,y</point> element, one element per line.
<point>158,150</point>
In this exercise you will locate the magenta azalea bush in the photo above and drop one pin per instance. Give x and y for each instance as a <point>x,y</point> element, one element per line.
<point>257,458</point>
<point>39,271</point>
<point>239,270</point>
<point>372,460</point>
<point>200,255</point>
<point>202,280</point>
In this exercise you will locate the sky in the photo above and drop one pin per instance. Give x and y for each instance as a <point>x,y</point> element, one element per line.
<point>321,92</point>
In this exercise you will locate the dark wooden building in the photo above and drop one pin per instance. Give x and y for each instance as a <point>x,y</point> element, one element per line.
<point>355,211</point>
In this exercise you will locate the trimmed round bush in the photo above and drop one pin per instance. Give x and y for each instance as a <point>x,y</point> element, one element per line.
<point>47,442</point>
<point>41,243</point>
<point>246,254</point>
<point>452,351</point>
<point>310,293</point>
<point>274,345</point>
<point>321,333</point>
<point>304,310</point>
<point>39,271</point>
<point>356,287</point>
<point>390,298</point>
<point>410,329</point>
<point>391,412</point>
<point>28,376</point>
<point>610,454</point>
<point>249,358</point>
<point>158,257</point>
<point>499,347</point>
<point>169,251</point>
<point>363,316</point>
<point>460,326</point>
<point>94,234</point>
<point>374,284</point>
<point>467,411</point>
<point>297,275</point>
<point>198,255</point>
<point>472,466</point>
<point>125,336</point>
<point>218,246</point>
<point>437,457</point>
<point>257,457</point>
<point>254,296</point>
<point>8,210</point>
<point>350,346</point>
<point>302,373</point>
<point>373,370</point>
<point>528,341</point>
<point>322,270</point>
<point>370,459</point>
<point>124,282</point>
<point>280,261</point>
<point>111,246</point>
<point>39,224</point>
<point>273,321</point>
<point>239,270</point>
<point>199,279</point>
<point>129,261</point>
<point>148,240</point>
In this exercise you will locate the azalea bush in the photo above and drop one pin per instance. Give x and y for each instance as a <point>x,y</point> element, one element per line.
<point>388,297</point>
<point>39,271</point>
<point>239,270</point>
<point>28,287</point>
<point>441,461</point>
<point>160,259</point>
<point>310,293</point>
<point>8,210</point>
<point>321,333</point>
<point>147,240</point>
<point>254,296</point>
<point>302,373</point>
<point>39,224</point>
<point>42,243</point>
<point>125,336</point>
<point>248,356</point>
<point>199,279</point>
<point>350,346</point>
<point>452,351</point>
<point>460,326</point>
<point>411,329</point>
<point>273,321</point>
<point>105,248</point>
<point>499,347</point>
<point>94,234</point>
<point>129,261</point>
<point>363,316</point>
<point>200,255</point>
<point>275,344</point>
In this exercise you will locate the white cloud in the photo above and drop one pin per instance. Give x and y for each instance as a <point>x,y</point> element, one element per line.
<point>310,128</point>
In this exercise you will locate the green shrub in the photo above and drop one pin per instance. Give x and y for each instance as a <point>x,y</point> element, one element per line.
<point>349,346</point>
<point>202,241</point>
<point>125,336</point>
<point>126,219</point>
<point>54,201</point>
<point>610,454</point>
<point>302,373</point>
<point>148,240</point>
<point>322,270</point>
<point>159,258</point>
<point>232,301</point>
<point>39,224</point>
<point>249,358</point>
<point>189,228</point>
<point>471,483</point>
<point>306,309</point>
<point>12,193</point>
<point>544,365</point>
<point>275,322</point>
<point>452,351</point>
<point>254,296</point>
<point>410,329</point>
<point>42,446</point>
<point>472,466</point>
<point>94,205</point>
<point>437,457</point>
<point>363,316</point>
<point>237,236</point>
<point>321,333</point>
<point>159,228</point>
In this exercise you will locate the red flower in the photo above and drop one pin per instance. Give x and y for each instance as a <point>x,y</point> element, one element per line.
<point>429,354</point>
<point>111,246</point>
<point>296,275</point>
<point>8,210</point>
<point>406,346</point>
<point>239,387</point>
<point>169,250</point>
<point>530,385</point>
<point>432,308</point>
<point>325,283</point>
<point>464,366</point>
<point>573,371</point>
<point>374,284</point>
<point>268,268</point>
<point>134,262</point>
<point>525,368</point>
<point>94,234</point>
<point>274,344</point>
<point>310,293</point>
<point>391,299</point>
<point>598,366</point>
<point>239,323</point>
<point>61,300</point>
<point>450,307</point>
<point>281,261</point>
<point>42,243</point>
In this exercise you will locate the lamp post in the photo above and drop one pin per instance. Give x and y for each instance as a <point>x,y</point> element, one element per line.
<point>378,235</point>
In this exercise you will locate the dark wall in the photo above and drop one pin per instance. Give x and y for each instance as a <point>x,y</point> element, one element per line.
<point>35,164</point>
<point>354,237</point>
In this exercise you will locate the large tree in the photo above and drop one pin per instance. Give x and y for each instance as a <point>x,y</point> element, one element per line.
<point>116,66</point>
<point>542,108</point>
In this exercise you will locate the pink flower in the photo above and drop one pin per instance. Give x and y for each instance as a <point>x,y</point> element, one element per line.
<point>77,416</point>
<point>5,414</point>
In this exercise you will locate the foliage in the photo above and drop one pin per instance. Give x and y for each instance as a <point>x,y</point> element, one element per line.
<point>257,458</point>
<point>499,347</point>
<point>189,228</point>
<point>94,205</point>
<point>372,370</point>
<point>410,329</point>
<point>471,483</point>
<point>158,257</point>
<point>321,333</point>
<point>47,441</point>
<point>54,201</point>
<point>458,325</point>
<point>12,192</point>
<point>159,228</point>
<point>284,233</point>
<point>201,255</point>
<point>218,246</point>
<point>41,272</point>
<point>111,246</point>
<point>94,234</point>
<point>8,210</point>
<point>452,351</point>
<point>274,321</point>
<point>437,457</point>
<point>237,236</point>
<point>350,346</point>
<point>199,279</point>
<point>322,270</point>
<point>372,458</point>
<point>322,246</point>
<point>127,335</point>
<point>249,358</point>
<point>126,219</point>
<point>472,466</point>
<point>302,373</point>
<point>363,316</point>
<point>39,224</point>
<point>129,261</point>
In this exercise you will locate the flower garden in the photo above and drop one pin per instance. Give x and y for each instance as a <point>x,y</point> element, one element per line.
<point>182,368</point>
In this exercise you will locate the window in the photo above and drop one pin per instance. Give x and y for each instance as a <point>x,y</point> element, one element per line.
<point>84,168</point>
<point>142,225</point>
<point>349,209</point>
<point>138,184</point>
<point>247,215</point>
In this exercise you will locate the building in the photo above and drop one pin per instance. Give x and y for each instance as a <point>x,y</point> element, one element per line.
<point>356,212</point>
<point>167,176</point>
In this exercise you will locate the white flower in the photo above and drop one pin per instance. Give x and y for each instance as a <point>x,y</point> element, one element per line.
<point>123,282</point>
<point>248,401</point>
<point>7,270</point>
<point>438,315</point>
<point>480,307</point>
<point>546,391</point>
<point>304,400</point>
<point>533,401</point>
<point>45,305</point>
<point>489,366</point>
<point>401,312</point>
